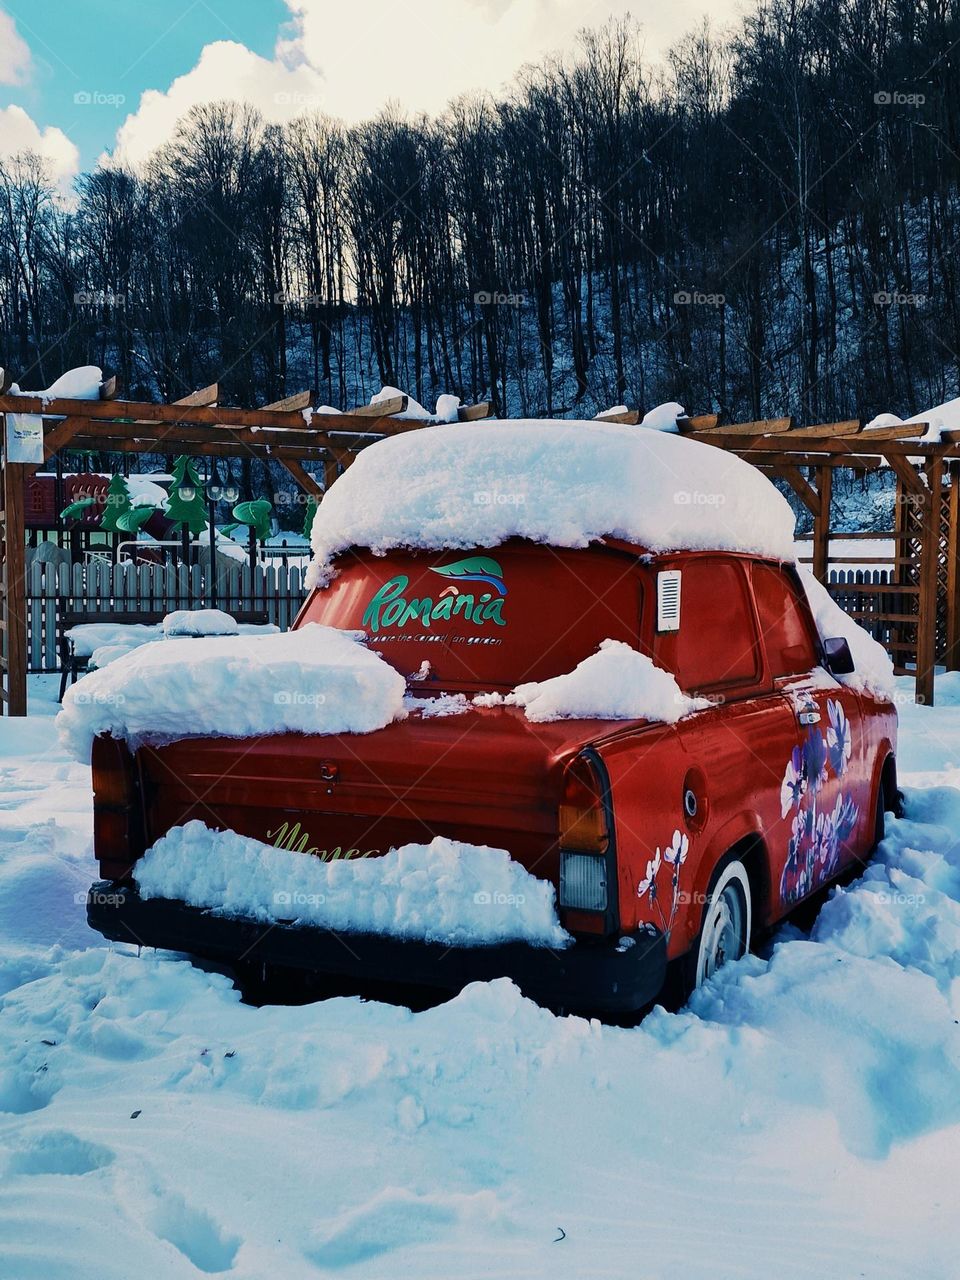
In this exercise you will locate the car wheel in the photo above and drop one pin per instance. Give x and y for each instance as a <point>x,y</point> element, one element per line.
<point>725,931</point>
<point>880,820</point>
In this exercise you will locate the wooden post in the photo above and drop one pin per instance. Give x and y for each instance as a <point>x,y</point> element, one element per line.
<point>929,564</point>
<point>821,526</point>
<point>14,588</point>
<point>952,655</point>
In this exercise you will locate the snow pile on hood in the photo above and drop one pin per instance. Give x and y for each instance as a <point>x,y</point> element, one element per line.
<point>942,417</point>
<point>447,892</point>
<point>200,622</point>
<point>874,670</point>
<point>315,680</point>
<point>616,683</point>
<point>563,483</point>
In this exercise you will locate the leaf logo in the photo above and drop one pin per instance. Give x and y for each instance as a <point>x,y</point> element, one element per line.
<point>474,569</point>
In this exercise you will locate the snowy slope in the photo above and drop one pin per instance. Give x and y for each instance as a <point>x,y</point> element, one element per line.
<point>801,1118</point>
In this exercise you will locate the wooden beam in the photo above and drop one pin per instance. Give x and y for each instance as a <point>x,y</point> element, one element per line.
<point>302,400</point>
<point>303,478</point>
<point>929,572</point>
<point>383,409</point>
<point>881,441</point>
<point>821,525</point>
<point>203,415</point>
<point>205,396</point>
<point>802,488</point>
<point>907,476</point>
<point>475,412</point>
<point>629,417</point>
<point>952,655</point>
<point>765,427</point>
<point>14,588</point>
<point>827,430</point>
<point>701,422</point>
<point>906,431</point>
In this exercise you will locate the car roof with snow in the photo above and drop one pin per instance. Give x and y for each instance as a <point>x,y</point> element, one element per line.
<point>562,483</point>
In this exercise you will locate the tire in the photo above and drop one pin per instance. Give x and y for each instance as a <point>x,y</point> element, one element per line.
<point>725,929</point>
<point>880,820</point>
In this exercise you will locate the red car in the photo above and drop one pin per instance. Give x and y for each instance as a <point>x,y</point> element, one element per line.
<point>667,843</point>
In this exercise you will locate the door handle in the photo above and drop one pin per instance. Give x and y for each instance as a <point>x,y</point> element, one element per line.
<point>809,717</point>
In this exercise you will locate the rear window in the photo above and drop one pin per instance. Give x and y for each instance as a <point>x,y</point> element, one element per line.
<point>485,619</point>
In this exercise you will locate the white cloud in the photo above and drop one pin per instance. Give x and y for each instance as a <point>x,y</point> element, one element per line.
<point>278,87</point>
<point>15,61</point>
<point>351,59</point>
<point>18,132</point>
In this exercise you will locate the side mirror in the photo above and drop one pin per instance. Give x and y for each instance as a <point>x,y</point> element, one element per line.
<point>837,656</point>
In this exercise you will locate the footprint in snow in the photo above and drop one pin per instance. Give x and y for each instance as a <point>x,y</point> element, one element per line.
<point>391,1220</point>
<point>194,1233</point>
<point>60,1152</point>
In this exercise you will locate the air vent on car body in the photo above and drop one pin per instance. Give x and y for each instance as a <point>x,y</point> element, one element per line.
<point>668,600</point>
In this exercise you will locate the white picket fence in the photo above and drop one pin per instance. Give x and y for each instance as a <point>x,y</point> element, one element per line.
<point>52,590</point>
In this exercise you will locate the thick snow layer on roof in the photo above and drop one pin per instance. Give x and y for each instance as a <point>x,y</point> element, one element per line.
<point>472,485</point>
<point>874,670</point>
<point>615,683</point>
<point>315,680</point>
<point>446,891</point>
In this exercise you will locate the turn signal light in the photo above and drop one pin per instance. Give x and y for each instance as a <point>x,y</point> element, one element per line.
<point>583,816</point>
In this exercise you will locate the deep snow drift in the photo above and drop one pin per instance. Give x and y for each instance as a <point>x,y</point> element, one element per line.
<point>563,483</point>
<point>800,1118</point>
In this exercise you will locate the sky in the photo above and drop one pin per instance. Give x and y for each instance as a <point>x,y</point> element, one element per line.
<point>83,78</point>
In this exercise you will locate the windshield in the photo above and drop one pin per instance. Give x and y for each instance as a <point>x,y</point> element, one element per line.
<point>484,619</point>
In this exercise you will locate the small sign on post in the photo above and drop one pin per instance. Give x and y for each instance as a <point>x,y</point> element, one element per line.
<point>24,437</point>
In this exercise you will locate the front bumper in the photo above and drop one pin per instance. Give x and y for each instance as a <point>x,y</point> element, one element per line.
<point>600,976</point>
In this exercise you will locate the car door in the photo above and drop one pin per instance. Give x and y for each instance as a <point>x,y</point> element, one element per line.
<point>822,792</point>
<point>737,751</point>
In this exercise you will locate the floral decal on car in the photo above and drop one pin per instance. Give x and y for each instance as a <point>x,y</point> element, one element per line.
<point>674,856</point>
<point>816,833</point>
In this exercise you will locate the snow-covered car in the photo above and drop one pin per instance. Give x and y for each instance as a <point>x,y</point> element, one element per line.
<point>640,697</point>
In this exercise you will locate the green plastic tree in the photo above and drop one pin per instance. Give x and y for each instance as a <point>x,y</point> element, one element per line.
<point>192,510</point>
<point>311,511</point>
<point>118,501</point>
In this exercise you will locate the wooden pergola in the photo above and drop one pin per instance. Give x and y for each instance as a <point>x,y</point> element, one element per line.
<point>915,611</point>
<point>289,432</point>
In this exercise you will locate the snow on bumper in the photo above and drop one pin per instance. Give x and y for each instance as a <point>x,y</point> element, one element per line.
<point>600,976</point>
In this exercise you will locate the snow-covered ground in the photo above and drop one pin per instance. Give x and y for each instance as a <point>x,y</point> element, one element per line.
<point>801,1118</point>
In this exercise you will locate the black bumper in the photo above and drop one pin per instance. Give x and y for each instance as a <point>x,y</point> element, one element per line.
<point>589,975</point>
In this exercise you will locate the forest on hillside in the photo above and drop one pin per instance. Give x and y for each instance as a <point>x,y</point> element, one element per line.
<point>766,223</point>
